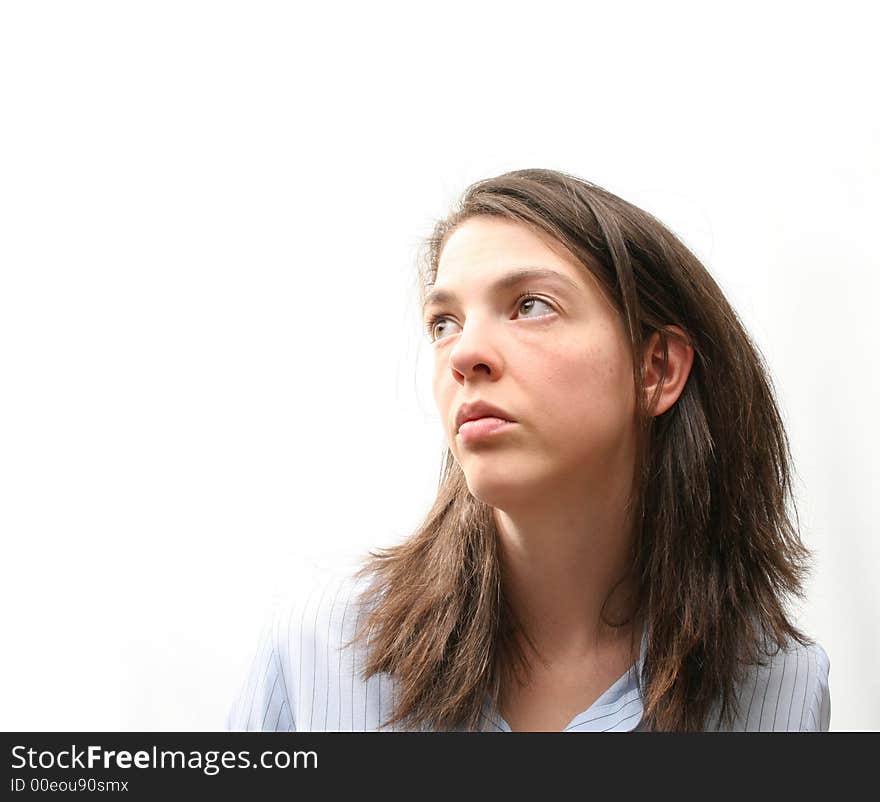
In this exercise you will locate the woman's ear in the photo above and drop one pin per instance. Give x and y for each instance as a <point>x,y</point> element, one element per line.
<point>679,362</point>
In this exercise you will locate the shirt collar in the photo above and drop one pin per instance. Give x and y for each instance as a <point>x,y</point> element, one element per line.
<point>618,709</point>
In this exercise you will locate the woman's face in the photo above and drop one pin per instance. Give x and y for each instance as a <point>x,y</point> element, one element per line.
<point>558,365</point>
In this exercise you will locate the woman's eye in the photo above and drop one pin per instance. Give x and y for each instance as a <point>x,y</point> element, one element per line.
<point>433,324</point>
<point>531,300</point>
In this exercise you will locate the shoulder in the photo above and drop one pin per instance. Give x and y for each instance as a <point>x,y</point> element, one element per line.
<point>787,692</point>
<point>303,659</point>
<point>319,612</point>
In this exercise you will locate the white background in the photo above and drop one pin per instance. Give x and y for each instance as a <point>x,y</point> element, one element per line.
<point>212,374</point>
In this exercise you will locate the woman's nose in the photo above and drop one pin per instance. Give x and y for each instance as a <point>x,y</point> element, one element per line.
<point>475,351</point>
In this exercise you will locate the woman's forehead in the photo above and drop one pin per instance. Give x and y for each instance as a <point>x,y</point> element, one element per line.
<point>487,250</point>
<point>490,247</point>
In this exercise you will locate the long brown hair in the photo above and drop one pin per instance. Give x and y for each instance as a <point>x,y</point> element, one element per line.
<point>715,552</point>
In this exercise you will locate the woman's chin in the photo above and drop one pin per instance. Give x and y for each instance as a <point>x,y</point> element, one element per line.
<point>499,490</point>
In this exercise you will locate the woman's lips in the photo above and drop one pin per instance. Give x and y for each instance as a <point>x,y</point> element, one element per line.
<point>482,428</point>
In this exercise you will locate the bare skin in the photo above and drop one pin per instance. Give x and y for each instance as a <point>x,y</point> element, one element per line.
<point>559,477</point>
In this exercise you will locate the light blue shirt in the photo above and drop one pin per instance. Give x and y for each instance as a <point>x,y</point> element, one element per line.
<point>302,680</point>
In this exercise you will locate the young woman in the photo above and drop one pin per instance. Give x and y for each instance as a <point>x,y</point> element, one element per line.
<point>610,547</point>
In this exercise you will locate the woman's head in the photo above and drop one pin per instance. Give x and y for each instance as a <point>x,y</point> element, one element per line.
<point>637,361</point>
<point>641,299</point>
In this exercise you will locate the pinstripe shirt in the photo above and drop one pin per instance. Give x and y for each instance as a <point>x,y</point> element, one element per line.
<point>302,680</point>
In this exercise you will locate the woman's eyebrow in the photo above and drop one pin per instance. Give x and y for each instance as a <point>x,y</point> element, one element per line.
<point>441,295</point>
